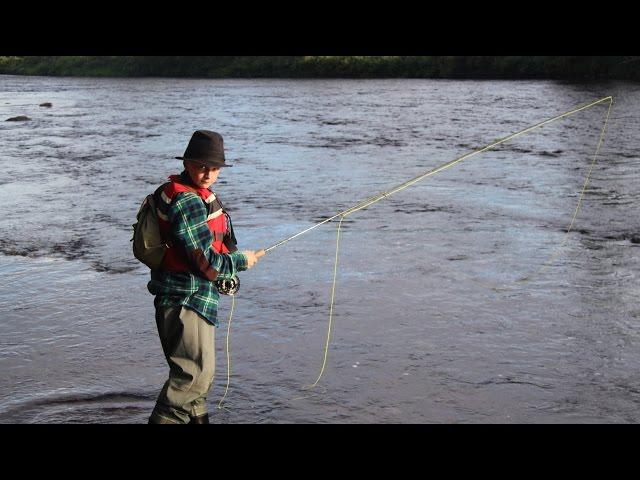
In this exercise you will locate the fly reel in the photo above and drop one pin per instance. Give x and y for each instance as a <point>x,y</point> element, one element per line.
<point>228,286</point>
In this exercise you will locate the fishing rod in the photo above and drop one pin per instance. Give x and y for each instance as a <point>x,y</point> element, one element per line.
<point>433,171</point>
<point>385,194</point>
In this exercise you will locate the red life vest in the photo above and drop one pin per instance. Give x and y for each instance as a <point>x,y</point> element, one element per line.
<point>175,259</point>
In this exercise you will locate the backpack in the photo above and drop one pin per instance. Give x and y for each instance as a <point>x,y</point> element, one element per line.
<point>148,246</point>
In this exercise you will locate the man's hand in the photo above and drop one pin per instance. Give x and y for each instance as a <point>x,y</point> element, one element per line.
<point>253,257</point>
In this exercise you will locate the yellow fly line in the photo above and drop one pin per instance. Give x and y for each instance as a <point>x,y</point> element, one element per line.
<point>527,278</point>
<point>445,166</point>
<point>226,390</point>
<point>398,188</point>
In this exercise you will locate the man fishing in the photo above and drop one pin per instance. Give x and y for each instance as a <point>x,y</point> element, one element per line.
<point>202,256</point>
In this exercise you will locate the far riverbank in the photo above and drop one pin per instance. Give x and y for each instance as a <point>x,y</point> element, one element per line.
<point>453,67</point>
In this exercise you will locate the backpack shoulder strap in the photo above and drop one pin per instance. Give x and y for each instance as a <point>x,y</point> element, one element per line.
<point>158,192</point>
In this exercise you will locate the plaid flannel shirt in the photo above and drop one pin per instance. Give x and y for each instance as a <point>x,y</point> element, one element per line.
<point>188,218</point>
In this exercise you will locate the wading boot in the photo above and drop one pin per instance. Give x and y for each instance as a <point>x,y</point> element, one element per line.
<point>202,419</point>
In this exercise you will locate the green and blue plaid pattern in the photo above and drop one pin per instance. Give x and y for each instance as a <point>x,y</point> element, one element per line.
<point>188,217</point>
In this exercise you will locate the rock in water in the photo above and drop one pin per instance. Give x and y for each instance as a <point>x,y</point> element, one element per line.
<point>21,118</point>
<point>46,104</point>
<point>635,238</point>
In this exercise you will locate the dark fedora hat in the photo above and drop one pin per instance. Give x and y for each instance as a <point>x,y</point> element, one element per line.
<point>206,147</point>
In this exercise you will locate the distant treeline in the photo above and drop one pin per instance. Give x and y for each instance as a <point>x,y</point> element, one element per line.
<point>508,67</point>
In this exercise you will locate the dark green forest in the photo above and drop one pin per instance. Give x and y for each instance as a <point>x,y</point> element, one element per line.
<point>507,67</point>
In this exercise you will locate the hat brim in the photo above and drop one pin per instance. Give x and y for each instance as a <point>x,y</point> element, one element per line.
<point>211,164</point>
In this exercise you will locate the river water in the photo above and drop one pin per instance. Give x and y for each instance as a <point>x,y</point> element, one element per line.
<point>418,335</point>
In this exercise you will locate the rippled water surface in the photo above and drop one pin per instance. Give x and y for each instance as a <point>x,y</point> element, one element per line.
<point>419,334</point>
